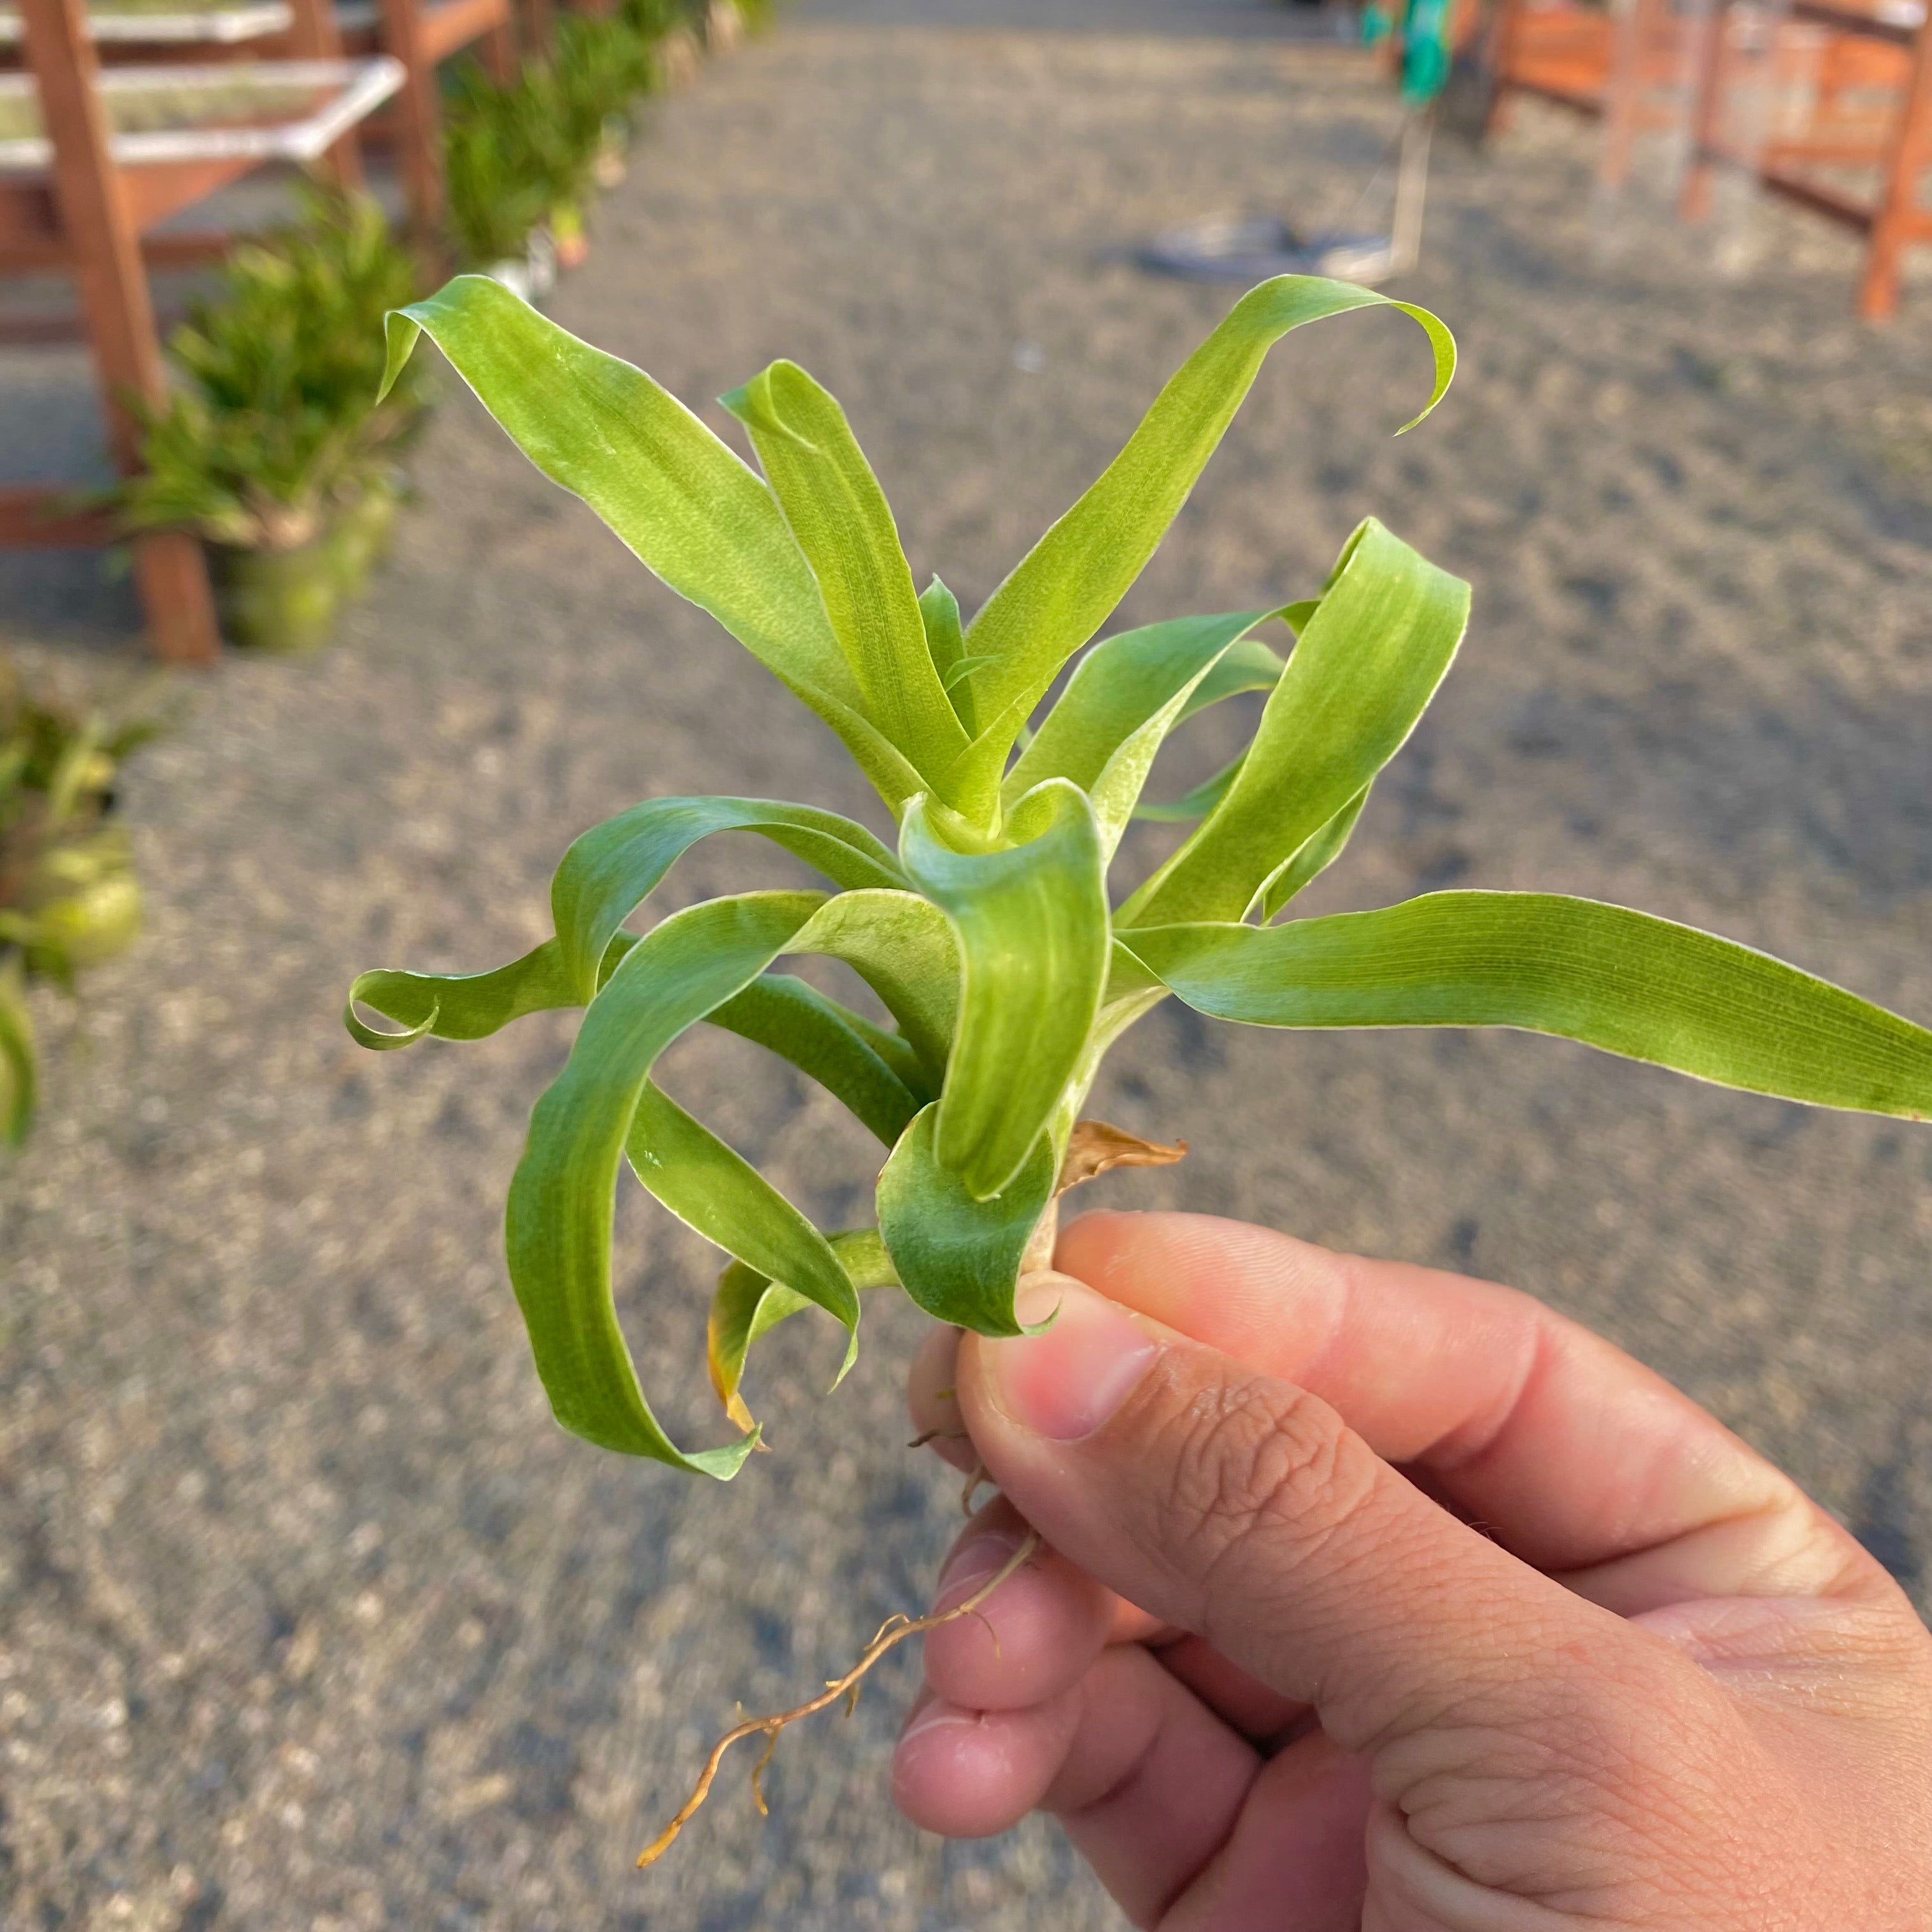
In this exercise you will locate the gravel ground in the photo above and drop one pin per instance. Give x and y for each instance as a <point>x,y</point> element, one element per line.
<point>309,1618</point>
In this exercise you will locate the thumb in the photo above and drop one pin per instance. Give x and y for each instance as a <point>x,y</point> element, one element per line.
<point>1245,1510</point>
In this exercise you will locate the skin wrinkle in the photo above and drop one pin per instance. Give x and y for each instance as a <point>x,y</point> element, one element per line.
<point>1287,1461</point>
<point>1481,1789</point>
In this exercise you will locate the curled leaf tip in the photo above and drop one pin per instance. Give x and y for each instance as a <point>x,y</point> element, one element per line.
<point>401,328</point>
<point>378,1041</point>
<point>1442,344</point>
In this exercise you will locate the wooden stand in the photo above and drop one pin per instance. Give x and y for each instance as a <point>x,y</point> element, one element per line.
<point>1559,53</point>
<point>1851,53</point>
<point>422,36</point>
<point>85,212</point>
<point>98,225</point>
<point>1580,58</point>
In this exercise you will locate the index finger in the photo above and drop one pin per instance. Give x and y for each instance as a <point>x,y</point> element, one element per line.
<point>1575,1457</point>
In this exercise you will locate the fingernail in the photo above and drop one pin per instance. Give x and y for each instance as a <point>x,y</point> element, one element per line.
<point>1065,1383</point>
<point>933,1716</point>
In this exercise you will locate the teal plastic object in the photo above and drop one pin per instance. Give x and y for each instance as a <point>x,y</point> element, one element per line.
<point>1424,29</point>
<point>1425,50</point>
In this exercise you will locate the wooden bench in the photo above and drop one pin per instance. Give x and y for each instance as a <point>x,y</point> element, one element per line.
<point>82,199</point>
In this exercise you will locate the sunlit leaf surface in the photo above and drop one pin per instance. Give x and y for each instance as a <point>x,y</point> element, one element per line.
<point>1624,981</point>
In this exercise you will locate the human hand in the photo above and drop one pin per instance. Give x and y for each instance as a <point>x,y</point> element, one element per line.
<point>1654,1686</point>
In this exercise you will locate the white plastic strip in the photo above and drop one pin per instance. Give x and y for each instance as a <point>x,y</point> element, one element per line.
<point>218,26</point>
<point>359,87</point>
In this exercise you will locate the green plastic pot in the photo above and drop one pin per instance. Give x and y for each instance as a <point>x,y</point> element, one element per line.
<point>360,536</point>
<point>281,600</point>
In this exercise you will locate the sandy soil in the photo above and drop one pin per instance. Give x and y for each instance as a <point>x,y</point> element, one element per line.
<point>309,1618</point>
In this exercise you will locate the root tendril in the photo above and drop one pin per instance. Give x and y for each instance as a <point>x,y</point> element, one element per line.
<point>895,1630</point>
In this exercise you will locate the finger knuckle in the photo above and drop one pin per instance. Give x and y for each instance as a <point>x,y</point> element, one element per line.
<point>1256,1467</point>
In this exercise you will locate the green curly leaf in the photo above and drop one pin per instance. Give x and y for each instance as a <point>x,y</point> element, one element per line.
<point>1124,696</point>
<point>873,1073</point>
<point>558,1224</point>
<point>611,870</point>
<point>748,1305</point>
<point>1032,922</point>
<point>1362,672</point>
<point>687,506</point>
<point>468,1005</point>
<point>1626,982</point>
<point>717,1192</point>
<point>1064,588</point>
<point>840,520</point>
<point>902,946</point>
<point>958,1256</point>
<point>1321,851</point>
<point>1196,803</point>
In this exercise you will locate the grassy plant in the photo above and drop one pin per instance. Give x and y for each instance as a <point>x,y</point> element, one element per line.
<point>988,934</point>
<point>521,154</point>
<point>654,19</point>
<point>494,201</point>
<point>68,896</point>
<point>274,417</point>
<point>601,68</point>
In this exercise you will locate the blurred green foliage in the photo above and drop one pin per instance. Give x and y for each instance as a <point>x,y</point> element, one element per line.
<point>523,153</point>
<point>275,418</point>
<point>68,895</point>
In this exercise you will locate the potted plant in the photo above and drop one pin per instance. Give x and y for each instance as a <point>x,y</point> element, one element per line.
<point>270,447</point>
<point>69,898</point>
<point>986,927</point>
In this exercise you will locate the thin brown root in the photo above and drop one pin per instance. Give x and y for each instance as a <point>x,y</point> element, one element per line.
<point>758,1776</point>
<point>980,1477</point>
<point>894,1630</point>
<point>981,1617</point>
<point>938,1435</point>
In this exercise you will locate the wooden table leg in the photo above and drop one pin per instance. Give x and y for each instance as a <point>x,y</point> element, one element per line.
<point>1712,71</point>
<point>418,118</point>
<point>171,575</point>
<point>1623,88</point>
<point>313,35</point>
<point>538,16</point>
<point>115,297</point>
<point>1911,155</point>
<point>497,51</point>
<point>1503,44</point>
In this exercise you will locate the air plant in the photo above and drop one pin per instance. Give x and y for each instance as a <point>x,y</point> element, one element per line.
<point>987,931</point>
